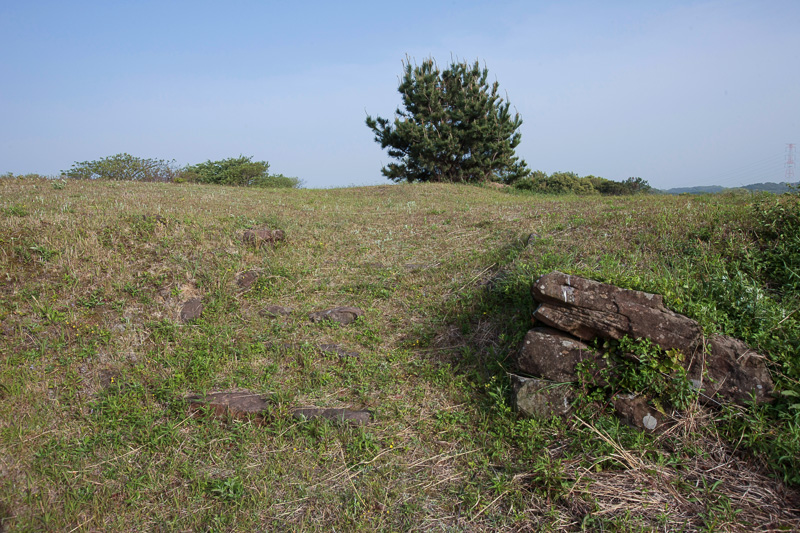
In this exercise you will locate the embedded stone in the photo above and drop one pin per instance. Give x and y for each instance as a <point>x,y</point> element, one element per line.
<point>191,310</point>
<point>636,412</point>
<point>247,279</point>
<point>329,349</point>
<point>542,399</point>
<point>239,405</point>
<point>342,315</point>
<point>335,349</point>
<point>275,311</point>
<point>349,416</point>
<point>263,237</point>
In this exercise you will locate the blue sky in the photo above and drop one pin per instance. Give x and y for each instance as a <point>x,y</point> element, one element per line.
<point>679,93</point>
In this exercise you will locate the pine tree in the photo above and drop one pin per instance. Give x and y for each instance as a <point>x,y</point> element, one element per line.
<point>454,128</point>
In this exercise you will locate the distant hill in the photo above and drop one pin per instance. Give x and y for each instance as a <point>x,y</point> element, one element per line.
<point>714,189</point>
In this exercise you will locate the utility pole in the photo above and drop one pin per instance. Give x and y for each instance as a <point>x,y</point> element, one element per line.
<point>789,177</point>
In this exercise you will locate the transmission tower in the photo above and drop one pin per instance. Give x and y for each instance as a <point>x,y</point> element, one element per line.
<point>789,163</point>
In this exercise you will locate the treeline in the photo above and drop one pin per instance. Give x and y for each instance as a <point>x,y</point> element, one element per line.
<point>571,183</point>
<point>240,171</point>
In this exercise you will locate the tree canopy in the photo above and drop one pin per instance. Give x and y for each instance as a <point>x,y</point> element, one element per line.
<point>454,127</point>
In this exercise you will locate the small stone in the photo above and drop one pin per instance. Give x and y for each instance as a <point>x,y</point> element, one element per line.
<point>191,310</point>
<point>342,315</point>
<point>636,412</point>
<point>356,418</point>
<point>247,279</point>
<point>649,422</point>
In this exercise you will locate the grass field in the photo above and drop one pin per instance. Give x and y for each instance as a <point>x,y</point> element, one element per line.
<point>95,364</point>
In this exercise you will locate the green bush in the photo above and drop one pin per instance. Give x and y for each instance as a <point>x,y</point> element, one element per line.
<point>241,171</point>
<point>571,183</point>
<point>778,232</point>
<point>277,181</point>
<point>29,176</point>
<point>123,167</point>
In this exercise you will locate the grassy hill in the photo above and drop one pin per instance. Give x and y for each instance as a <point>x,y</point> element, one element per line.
<point>96,364</point>
<point>776,188</point>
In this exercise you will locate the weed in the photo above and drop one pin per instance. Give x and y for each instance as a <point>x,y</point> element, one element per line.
<point>16,210</point>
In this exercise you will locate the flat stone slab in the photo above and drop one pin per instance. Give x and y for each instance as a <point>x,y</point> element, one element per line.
<point>247,279</point>
<point>335,349</point>
<point>342,315</point>
<point>275,311</point>
<point>731,369</point>
<point>239,405</point>
<point>349,416</point>
<point>553,355</point>
<point>191,310</point>
<point>245,405</point>
<point>263,237</point>
<point>589,309</point>
<point>540,398</point>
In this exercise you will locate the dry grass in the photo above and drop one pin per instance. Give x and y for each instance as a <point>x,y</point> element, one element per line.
<point>95,364</point>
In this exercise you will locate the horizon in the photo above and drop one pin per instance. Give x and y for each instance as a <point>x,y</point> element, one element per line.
<point>682,94</point>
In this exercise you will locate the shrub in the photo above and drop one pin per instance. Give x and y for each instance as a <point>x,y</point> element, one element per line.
<point>242,171</point>
<point>122,167</point>
<point>556,183</point>
<point>29,176</point>
<point>778,230</point>
<point>571,183</point>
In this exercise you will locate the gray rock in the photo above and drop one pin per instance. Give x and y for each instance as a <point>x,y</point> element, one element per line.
<point>553,355</point>
<point>724,367</point>
<point>539,398</point>
<point>342,315</point>
<point>191,310</point>
<point>730,369</point>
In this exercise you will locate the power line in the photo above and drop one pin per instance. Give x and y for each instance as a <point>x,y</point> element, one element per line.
<point>766,169</point>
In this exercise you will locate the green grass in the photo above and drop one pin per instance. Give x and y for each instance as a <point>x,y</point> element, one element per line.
<point>95,364</point>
